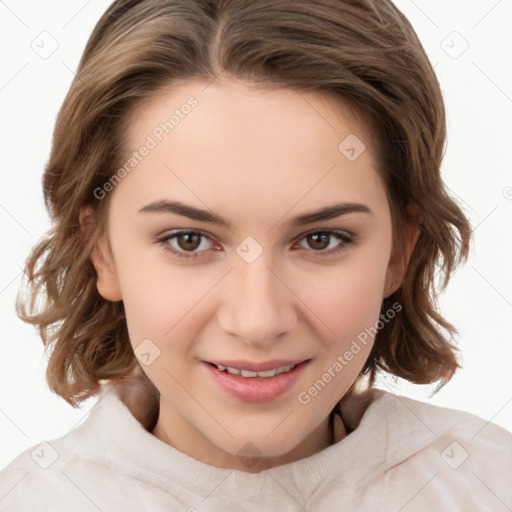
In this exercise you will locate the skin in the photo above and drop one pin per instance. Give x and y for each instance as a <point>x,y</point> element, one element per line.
<point>258,158</point>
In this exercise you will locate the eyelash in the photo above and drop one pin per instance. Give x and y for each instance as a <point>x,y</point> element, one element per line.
<point>340,235</point>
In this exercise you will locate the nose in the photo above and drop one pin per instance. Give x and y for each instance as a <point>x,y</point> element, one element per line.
<point>257,304</point>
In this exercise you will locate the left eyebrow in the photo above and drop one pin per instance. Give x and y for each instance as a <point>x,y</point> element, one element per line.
<point>326,213</point>
<point>330,212</point>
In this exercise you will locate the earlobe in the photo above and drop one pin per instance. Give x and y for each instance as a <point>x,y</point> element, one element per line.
<point>395,272</point>
<point>392,282</point>
<point>412,229</point>
<point>102,259</point>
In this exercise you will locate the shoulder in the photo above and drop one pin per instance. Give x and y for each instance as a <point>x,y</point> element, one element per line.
<point>30,481</point>
<point>450,456</point>
<point>91,467</point>
<point>55,474</point>
<point>473,433</point>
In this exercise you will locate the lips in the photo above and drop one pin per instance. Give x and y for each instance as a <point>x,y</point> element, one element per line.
<point>256,389</point>
<point>251,366</point>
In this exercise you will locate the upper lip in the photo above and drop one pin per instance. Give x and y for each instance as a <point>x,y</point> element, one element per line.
<point>257,367</point>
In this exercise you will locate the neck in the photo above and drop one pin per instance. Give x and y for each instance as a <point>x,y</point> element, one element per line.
<point>174,431</point>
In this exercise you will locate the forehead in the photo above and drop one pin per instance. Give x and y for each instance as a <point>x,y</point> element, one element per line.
<point>253,109</point>
<point>234,141</point>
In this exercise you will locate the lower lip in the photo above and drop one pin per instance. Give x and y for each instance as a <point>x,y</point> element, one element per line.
<point>256,389</point>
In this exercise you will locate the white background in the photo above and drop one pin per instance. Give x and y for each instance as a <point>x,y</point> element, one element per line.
<point>477,86</point>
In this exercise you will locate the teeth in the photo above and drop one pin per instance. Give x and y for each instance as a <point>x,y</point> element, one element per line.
<point>251,374</point>
<point>247,373</point>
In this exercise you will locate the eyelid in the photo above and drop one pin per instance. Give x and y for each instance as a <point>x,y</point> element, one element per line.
<point>332,231</point>
<point>168,235</point>
<point>345,238</point>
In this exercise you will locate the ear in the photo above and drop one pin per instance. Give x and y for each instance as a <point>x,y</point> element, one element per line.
<point>395,272</point>
<point>102,260</point>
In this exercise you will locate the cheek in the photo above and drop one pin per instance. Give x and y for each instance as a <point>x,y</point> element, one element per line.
<point>347,298</point>
<point>162,301</point>
<point>154,303</point>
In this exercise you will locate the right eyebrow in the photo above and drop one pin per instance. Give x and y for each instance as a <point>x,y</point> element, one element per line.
<point>186,211</point>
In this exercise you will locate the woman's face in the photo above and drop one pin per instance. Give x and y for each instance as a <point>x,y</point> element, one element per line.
<point>284,257</point>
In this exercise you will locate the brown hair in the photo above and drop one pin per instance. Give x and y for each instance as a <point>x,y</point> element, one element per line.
<point>363,52</point>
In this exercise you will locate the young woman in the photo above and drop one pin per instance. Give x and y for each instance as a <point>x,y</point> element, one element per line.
<point>248,219</point>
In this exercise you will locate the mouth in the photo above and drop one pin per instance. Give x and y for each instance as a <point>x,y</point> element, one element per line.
<point>251,385</point>
<point>252,370</point>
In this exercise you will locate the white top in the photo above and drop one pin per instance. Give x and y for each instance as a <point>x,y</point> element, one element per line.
<point>403,456</point>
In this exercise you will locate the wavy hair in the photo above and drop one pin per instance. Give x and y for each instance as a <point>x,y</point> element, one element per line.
<point>363,52</point>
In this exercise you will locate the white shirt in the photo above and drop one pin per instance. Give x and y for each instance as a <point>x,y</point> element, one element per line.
<point>404,455</point>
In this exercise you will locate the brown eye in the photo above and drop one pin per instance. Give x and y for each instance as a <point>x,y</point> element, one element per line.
<point>333,241</point>
<point>188,241</point>
<point>318,241</point>
<point>186,244</point>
